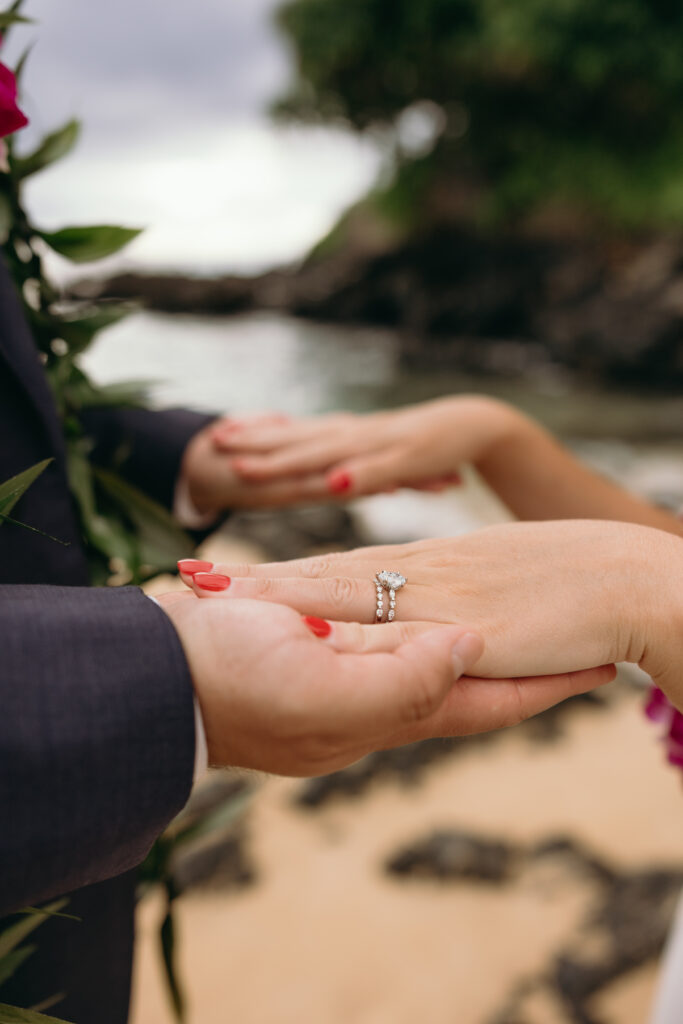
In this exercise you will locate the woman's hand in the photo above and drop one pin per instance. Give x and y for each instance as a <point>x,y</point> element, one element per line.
<point>418,446</point>
<point>546,597</point>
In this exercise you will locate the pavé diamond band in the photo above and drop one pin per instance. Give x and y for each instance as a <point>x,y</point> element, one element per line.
<point>391,581</point>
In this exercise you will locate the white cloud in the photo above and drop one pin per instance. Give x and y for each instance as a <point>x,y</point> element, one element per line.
<point>175,139</point>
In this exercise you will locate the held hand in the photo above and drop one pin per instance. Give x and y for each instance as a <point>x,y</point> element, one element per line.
<point>546,597</point>
<point>284,696</point>
<point>419,446</point>
<point>215,486</point>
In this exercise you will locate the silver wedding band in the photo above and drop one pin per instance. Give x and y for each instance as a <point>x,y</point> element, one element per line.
<point>392,581</point>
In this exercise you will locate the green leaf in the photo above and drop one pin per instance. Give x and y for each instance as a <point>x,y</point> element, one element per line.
<point>79,331</point>
<point>14,1015</point>
<point>6,217</point>
<point>12,489</point>
<point>53,147</point>
<point>215,821</point>
<point>87,244</point>
<point>104,533</point>
<point>46,912</point>
<point>161,541</point>
<point>167,938</point>
<point>8,18</point>
<point>20,930</point>
<point>125,392</point>
<point>10,964</point>
<point>21,63</point>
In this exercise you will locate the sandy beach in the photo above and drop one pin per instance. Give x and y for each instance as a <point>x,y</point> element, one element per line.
<point>325,935</point>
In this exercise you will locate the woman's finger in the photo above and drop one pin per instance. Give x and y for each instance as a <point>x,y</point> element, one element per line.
<point>345,563</point>
<point>369,474</point>
<point>309,456</point>
<point>266,437</point>
<point>339,597</point>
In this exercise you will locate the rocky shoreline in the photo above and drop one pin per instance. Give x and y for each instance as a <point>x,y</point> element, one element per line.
<point>490,303</point>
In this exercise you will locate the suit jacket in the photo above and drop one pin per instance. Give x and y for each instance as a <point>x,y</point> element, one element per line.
<point>96,701</point>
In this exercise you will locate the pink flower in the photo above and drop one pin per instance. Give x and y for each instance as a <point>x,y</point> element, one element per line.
<point>660,709</point>
<point>674,741</point>
<point>11,118</point>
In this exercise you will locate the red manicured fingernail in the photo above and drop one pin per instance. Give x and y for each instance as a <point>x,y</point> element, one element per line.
<point>211,581</point>
<point>339,482</point>
<point>190,566</point>
<point>319,627</point>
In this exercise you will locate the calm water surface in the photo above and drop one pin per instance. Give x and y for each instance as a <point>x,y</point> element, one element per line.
<point>258,362</point>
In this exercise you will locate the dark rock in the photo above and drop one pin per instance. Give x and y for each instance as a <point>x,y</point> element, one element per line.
<point>223,864</point>
<point>172,293</point>
<point>606,309</point>
<point>631,921</point>
<point>455,854</point>
<point>406,764</point>
<point>626,928</point>
<point>297,532</point>
<point>210,838</point>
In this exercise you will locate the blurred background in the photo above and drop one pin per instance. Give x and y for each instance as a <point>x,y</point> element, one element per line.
<point>354,205</point>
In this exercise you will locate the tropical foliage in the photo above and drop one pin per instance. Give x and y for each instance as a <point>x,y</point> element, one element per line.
<point>533,101</point>
<point>125,533</point>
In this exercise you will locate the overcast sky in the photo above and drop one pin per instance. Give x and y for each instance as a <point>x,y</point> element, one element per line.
<point>173,97</point>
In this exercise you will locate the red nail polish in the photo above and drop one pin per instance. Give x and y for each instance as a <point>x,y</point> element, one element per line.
<point>190,566</point>
<point>339,482</point>
<point>211,581</point>
<point>319,627</point>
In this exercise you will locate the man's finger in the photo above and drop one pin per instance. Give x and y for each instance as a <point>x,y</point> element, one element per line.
<point>386,692</point>
<point>480,705</point>
<point>354,637</point>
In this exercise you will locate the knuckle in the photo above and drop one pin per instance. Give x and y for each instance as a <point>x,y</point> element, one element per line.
<point>266,588</point>
<point>342,590</point>
<point>319,565</point>
<point>424,696</point>
<point>238,571</point>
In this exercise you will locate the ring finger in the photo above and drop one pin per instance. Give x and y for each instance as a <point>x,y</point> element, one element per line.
<point>338,597</point>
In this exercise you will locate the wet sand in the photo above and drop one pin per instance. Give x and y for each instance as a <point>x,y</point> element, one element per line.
<point>326,936</point>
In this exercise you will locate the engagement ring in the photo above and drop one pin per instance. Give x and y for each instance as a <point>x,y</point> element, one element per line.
<point>391,581</point>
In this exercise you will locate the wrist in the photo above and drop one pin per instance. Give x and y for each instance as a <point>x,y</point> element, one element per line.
<point>199,484</point>
<point>662,643</point>
<point>501,428</point>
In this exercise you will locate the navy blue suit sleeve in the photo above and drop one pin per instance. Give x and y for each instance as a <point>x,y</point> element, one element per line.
<point>96,736</point>
<point>144,446</point>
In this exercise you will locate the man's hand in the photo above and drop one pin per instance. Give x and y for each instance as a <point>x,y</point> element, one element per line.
<point>278,697</point>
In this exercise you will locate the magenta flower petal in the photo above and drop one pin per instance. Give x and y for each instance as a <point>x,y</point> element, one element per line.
<point>674,753</point>
<point>676,729</point>
<point>11,117</point>
<point>658,707</point>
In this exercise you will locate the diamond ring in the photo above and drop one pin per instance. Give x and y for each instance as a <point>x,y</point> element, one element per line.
<point>391,581</point>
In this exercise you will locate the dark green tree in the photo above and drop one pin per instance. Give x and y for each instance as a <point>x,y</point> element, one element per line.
<point>569,102</point>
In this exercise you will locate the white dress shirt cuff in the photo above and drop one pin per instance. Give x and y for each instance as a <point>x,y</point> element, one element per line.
<point>185,512</point>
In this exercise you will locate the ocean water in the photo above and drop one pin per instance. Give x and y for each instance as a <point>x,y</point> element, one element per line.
<point>257,362</point>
